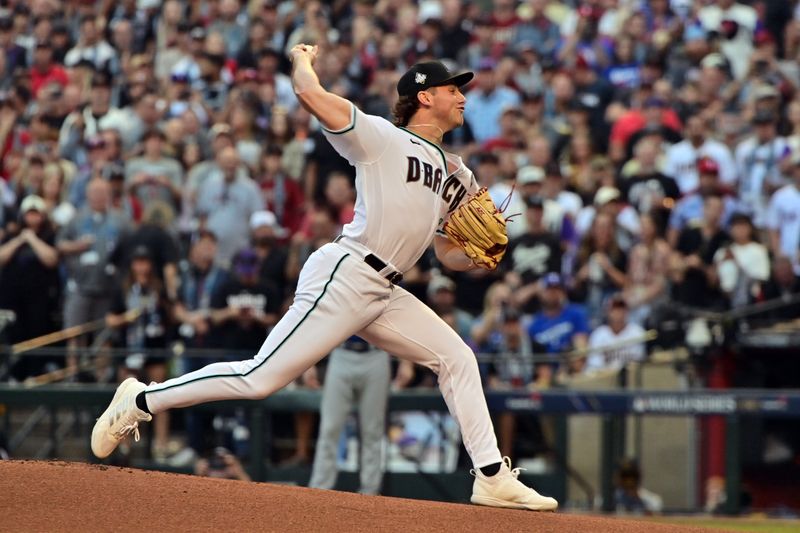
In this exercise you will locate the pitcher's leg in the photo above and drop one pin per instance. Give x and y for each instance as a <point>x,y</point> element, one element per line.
<point>372,419</point>
<point>337,400</point>
<point>326,310</point>
<point>410,330</point>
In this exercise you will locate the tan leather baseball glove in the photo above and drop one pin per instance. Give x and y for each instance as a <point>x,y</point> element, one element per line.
<point>479,228</point>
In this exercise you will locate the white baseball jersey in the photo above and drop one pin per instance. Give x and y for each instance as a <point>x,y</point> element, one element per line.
<point>681,163</point>
<point>783,216</point>
<point>615,357</point>
<point>404,191</point>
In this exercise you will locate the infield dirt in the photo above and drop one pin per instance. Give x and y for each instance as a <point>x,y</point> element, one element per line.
<point>60,496</point>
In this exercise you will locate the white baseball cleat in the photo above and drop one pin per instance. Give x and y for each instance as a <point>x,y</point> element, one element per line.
<point>120,419</point>
<point>505,490</point>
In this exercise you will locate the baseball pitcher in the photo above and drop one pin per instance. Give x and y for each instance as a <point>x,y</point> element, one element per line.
<point>409,192</point>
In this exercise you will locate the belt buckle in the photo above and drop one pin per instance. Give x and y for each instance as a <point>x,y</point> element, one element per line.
<point>395,277</point>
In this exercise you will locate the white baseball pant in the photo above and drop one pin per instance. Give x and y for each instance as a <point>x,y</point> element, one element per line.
<point>339,295</point>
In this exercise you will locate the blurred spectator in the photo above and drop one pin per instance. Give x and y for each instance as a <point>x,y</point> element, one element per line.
<point>244,307</point>
<point>626,220</point>
<point>455,34</point>
<point>213,82</point>
<point>783,219</point>
<point>554,188</point>
<point>644,186</point>
<point>153,176</point>
<point>44,71</point>
<point>267,238</point>
<point>242,119</point>
<point>225,202</point>
<point>87,243</point>
<point>319,228</point>
<point>340,196</point>
<point>496,304</point>
<point>200,280</point>
<point>681,159</point>
<point>221,464</point>
<point>648,264</point>
<point>734,24</point>
<point>531,255</point>
<point>530,180</point>
<point>652,114</point>
<point>15,55</point>
<point>29,283</point>
<point>758,159</point>
<point>617,342</point>
<point>7,200</point>
<point>511,366</point>
<point>783,284</point>
<point>143,294</point>
<point>692,272</point>
<point>154,235</point>
<point>538,31</point>
<point>594,94</point>
<point>86,122</point>
<point>601,266</point>
<point>487,101</point>
<point>441,297</point>
<point>559,327</point>
<point>629,496</point>
<point>92,47</point>
<point>742,265</point>
<point>689,210</point>
<point>219,137</point>
<point>282,195</point>
<point>269,60</point>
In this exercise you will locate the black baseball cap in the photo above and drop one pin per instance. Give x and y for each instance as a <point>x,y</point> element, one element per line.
<point>141,252</point>
<point>429,74</point>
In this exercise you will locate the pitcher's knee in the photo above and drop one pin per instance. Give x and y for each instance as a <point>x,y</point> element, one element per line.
<point>462,360</point>
<point>259,390</point>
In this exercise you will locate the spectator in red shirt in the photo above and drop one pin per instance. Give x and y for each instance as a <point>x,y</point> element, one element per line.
<point>504,20</point>
<point>633,121</point>
<point>44,70</point>
<point>282,195</point>
<point>340,196</point>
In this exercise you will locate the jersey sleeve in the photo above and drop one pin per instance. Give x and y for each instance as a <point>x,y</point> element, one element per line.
<point>363,140</point>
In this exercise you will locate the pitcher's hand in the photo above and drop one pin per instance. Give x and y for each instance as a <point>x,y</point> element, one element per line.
<point>304,50</point>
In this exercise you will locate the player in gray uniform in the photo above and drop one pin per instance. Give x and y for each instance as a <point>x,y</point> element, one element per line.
<point>357,374</point>
<point>406,188</point>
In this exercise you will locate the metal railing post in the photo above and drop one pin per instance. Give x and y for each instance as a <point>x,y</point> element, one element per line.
<point>607,463</point>
<point>258,469</point>
<point>733,467</point>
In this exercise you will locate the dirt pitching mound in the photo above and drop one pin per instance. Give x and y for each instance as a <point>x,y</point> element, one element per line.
<point>60,496</point>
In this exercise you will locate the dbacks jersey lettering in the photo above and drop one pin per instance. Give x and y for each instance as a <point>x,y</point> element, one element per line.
<point>402,196</point>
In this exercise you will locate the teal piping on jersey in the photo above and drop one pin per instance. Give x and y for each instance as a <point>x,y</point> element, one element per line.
<point>324,289</point>
<point>346,128</point>
<point>444,159</point>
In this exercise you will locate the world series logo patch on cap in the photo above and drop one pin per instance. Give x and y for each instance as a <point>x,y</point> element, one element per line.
<point>420,77</point>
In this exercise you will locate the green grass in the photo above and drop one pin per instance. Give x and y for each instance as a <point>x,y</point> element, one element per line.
<point>755,525</point>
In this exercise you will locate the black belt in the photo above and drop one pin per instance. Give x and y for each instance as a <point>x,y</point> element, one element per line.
<point>375,262</point>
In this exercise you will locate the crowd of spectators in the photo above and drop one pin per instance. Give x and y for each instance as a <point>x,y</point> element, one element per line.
<point>157,171</point>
